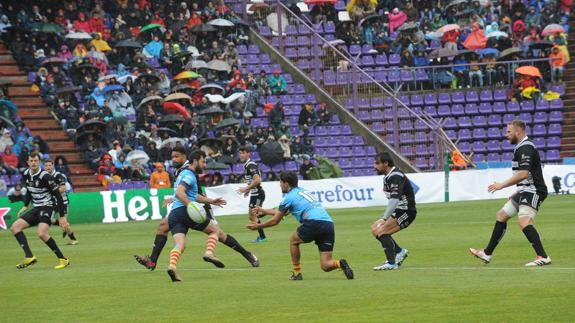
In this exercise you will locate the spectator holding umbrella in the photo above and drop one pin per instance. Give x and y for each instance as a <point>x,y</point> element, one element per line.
<point>557,63</point>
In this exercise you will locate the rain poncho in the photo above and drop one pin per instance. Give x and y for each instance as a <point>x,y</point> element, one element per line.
<point>154,47</point>
<point>476,39</point>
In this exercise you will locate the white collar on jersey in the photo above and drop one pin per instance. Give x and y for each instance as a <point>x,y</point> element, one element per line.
<point>247,162</point>
<point>391,171</point>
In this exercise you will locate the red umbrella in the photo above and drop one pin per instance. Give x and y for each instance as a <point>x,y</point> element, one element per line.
<point>173,107</point>
<point>448,28</point>
<point>552,29</point>
<point>529,71</point>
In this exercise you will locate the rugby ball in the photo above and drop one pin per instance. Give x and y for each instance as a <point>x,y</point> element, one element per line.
<point>196,212</point>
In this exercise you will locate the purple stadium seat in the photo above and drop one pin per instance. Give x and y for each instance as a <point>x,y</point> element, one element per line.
<point>539,130</point>
<point>457,110</point>
<point>321,131</point>
<point>377,102</point>
<point>527,106</point>
<point>526,117</point>
<point>464,122</point>
<point>464,134</point>
<point>559,88</point>
<point>356,172</point>
<point>406,151</point>
<point>303,52</point>
<point>554,129</point>
<point>355,50</point>
<point>420,136</point>
<point>377,127</point>
<point>370,151</point>
<point>332,152</point>
<point>393,76</point>
<point>291,30</point>
<point>366,48</point>
<point>493,157</point>
<point>556,104</point>
<point>431,99</point>
<point>464,147</point>
<point>329,78</point>
<point>416,100</point>
<point>553,155</point>
<point>507,118</point>
<point>334,130</point>
<point>486,96</point>
<point>394,59</point>
<point>291,41</point>
<point>479,121</point>
<point>403,113</point>
<point>479,158</point>
<point>485,108</point>
<point>494,133</point>
<point>358,141</point>
<point>381,60</point>
<point>457,97</point>
<point>444,98</point>
<point>556,116</point>
<point>367,60</point>
<point>358,151</point>
<point>430,110</point>
<point>443,111</point>
<point>345,163</point>
<point>506,146</point>
<point>303,41</point>
<point>407,76</point>
<point>507,157</point>
<point>539,142</point>
<point>320,142</point>
<point>421,75</point>
<point>493,146</point>
<point>345,152</point>
<point>303,29</point>
<point>253,49</point>
<point>376,114</point>
<point>451,134</point>
<point>513,107</point>
<point>499,107</point>
<point>420,125</point>
<point>421,163</point>
<point>479,133</point>
<point>494,120</point>
<point>421,150</point>
<point>499,95</point>
<point>542,105</point>
<point>540,117</point>
<point>405,125</point>
<point>405,137</point>
<point>450,123</point>
<point>553,142</point>
<point>471,109</point>
<point>342,78</point>
<point>336,141</point>
<point>472,97</point>
<point>478,146</point>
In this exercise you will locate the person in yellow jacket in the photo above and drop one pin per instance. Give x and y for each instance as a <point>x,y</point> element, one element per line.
<point>100,44</point>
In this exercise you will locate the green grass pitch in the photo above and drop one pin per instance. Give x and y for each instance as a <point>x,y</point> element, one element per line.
<point>439,281</point>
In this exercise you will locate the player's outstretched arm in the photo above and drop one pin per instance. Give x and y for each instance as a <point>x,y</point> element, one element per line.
<point>277,217</point>
<point>219,201</point>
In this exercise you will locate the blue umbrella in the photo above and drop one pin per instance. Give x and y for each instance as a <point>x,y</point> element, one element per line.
<point>113,87</point>
<point>488,51</point>
<point>10,105</point>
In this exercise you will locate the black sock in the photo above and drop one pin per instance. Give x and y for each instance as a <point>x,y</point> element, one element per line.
<point>159,244</point>
<point>397,248</point>
<point>388,245</point>
<point>71,235</point>
<point>21,238</point>
<point>496,236</point>
<point>261,231</point>
<point>54,247</point>
<point>533,237</point>
<point>234,244</point>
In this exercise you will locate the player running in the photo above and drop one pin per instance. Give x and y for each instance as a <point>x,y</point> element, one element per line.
<point>399,214</point>
<point>253,178</point>
<point>316,225</point>
<point>525,202</point>
<point>44,194</point>
<point>61,180</point>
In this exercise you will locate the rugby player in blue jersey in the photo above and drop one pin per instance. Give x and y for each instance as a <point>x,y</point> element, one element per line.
<point>316,225</point>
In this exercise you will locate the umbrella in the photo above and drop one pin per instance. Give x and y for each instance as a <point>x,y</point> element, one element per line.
<point>258,6</point>
<point>464,12</point>
<point>497,34</point>
<point>226,123</point>
<point>464,52</point>
<point>80,68</point>
<point>48,28</point>
<point>186,75</point>
<point>138,155</point>
<point>219,65</point>
<point>334,43</point>
<point>171,132</point>
<point>273,22</point>
<point>177,96</point>
<point>211,86</point>
<point>211,110</point>
<point>9,104</point>
<point>149,27</point>
<point>310,2</point>
<point>488,51</point>
<point>456,2</point>
<point>271,153</point>
<point>529,71</point>
<point>407,26</point>
<point>433,35</point>
<point>128,43</point>
<point>173,107</point>
<point>202,28</point>
<point>78,35</point>
<point>182,87</point>
<point>448,28</point>
<point>91,125</point>
<point>196,64</point>
<point>213,165</point>
<point>149,77</point>
<point>369,18</point>
<point>542,44</point>
<point>82,136</point>
<point>171,142</point>
<point>7,122</point>
<point>172,118</point>
<point>552,29</point>
<point>509,52</point>
<point>113,87</point>
<point>150,99</point>
<point>442,52</point>
<point>211,142</point>
<point>68,89</point>
<point>54,60</point>
<point>217,98</point>
<point>221,23</point>
<point>182,53</point>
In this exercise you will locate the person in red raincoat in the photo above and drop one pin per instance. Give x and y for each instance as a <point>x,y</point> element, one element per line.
<point>476,39</point>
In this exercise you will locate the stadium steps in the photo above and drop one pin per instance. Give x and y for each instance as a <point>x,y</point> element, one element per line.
<point>38,118</point>
<point>568,126</point>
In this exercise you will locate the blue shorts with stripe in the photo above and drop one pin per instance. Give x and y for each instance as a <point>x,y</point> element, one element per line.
<point>180,222</point>
<point>322,232</point>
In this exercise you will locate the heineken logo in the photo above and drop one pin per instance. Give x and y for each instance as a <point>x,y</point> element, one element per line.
<point>120,208</point>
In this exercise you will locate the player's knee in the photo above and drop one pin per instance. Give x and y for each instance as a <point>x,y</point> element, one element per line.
<point>15,228</point>
<point>502,216</point>
<point>44,236</point>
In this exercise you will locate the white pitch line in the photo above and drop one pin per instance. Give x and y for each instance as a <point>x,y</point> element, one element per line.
<point>488,268</point>
<point>190,269</point>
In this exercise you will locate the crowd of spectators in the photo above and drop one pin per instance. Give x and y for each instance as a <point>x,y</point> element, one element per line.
<point>104,66</point>
<point>471,33</point>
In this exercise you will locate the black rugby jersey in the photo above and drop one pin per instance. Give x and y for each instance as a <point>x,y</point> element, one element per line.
<point>250,170</point>
<point>526,157</point>
<point>397,186</point>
